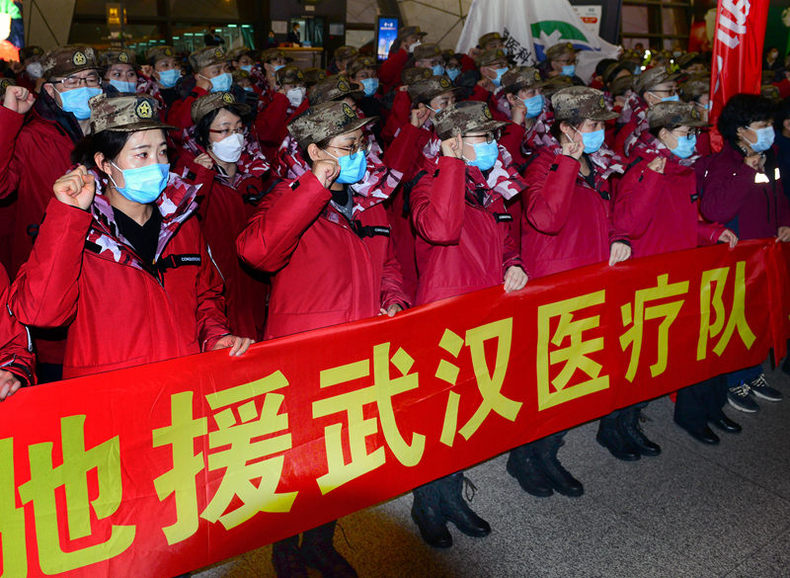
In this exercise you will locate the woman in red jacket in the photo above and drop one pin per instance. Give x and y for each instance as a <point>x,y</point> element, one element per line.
<point>463,245</point>
<point>325,224</point>
<point>566,225</point>
<point>656,209</point>
<point>118,259</point>
<point>217,145</point>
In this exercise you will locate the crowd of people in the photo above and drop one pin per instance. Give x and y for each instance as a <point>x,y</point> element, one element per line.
<point>162,205</point>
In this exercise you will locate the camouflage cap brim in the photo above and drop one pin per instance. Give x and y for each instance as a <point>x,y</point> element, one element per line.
<point>143,125</point>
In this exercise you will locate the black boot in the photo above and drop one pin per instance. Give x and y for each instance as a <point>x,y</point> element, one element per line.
<point>455,508</point>
<point>286,559</point>
<point>426,513</point>
<point>525,467</point>
<point>318,552</point>
<point>628,422</point>
<point>560,479</point>
<point>610,437</point>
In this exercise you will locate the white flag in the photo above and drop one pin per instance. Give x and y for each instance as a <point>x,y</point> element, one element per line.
<point>531,26</point>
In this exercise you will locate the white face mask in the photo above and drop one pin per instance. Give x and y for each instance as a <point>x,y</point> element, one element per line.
<point>413,46</point>
<point>35,70</point>
<point>229,149</point>
<point>296,96</point>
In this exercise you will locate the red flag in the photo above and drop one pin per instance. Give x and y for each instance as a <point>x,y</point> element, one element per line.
<point>737,54</point>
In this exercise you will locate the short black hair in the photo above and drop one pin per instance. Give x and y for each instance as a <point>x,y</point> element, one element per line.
<point>108,142</point>
<point>602,65</point>
<point>741,111</point>
<point>555,126</point>
<point>203,126</point>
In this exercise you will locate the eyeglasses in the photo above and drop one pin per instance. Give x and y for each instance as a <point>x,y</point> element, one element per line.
<point>361,145</point>
<point>92,80</point>
<point>489,136</point>
<point>691,132</point>
<point>669,91</point>
<point>226,132</point>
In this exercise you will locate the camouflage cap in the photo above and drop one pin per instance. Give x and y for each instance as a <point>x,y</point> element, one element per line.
<point>489,57</point>
<point>214,100</point>
<point>687,59</point>
<point>577,103</point>
<point>429,88</point>
<point>414,74</point>
<point>313,76</point>
<point>68,60</point>
<point>125,113</point>
<point>427,52</point>
<point>361,62</point>
<point>271,53</point>
<point>345,52</point>
<point>110,57</point>
<point>35,52</point>
<point>240,75</point>
<point>490,37</point>
<point>4,84</point>
<point>521,77</point>
<point>619,86</point>
<point>336,87</point>
<point>555,83</point>
<point>207,56</point>
<point>611,71</point>
<point>465,117</point>
<point>157,53</point>
<point>405,31</point>
<point>325,121</point>
<point>237,53</point>
<point>674,114</point>
<point>695,87</point>
<point>559,50</point>
<point>653,77</point>
<point>289,75</point>
<point>771,92</point>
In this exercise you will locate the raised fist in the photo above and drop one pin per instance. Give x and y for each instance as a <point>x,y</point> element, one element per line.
<point>76,188</point>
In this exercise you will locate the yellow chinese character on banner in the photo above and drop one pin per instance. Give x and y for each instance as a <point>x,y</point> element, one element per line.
<point>574,354</point>
<point>736,320</point>
<point>489,383</point>
<point>382,391</point>
<point>12,519</point>
<point>636,315</point>
<point>180,480</point>
<point>237,434</point>
<point>72,475</point>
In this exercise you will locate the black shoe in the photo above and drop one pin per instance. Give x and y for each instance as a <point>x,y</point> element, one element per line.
<point>610,437</point>
<point>560,479</point>
<point>522,466</point>
<point>760,388</point>
<point>426,513</point>
<point>287,561</point>
<point>630,429</point>
<point>703,434</point>
<point>324,558</point>
<point>725,424</point>
<point>455,508</point>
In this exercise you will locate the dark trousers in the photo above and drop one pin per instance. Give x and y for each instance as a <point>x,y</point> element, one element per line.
<point>697,404</point>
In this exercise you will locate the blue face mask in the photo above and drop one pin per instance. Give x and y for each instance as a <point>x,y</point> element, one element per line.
<point>569,70</point>
<point>169,78</point>
<point>500,72</point>
<point>352,167</point>
<point>685,146</point>
<point>143,184</point>
<point>222,82</point>
<point>247,67</point>
<point>278,67</point>
<point>249,89</point>
<point>125,87</point>
<point>437,69</point>
<point>452,73</point>
<point>486,155</point>
<point>765,139</point>
<point>76,101</point>
<point>534,105</point>
<point>592,141</point>
<point>371,85</point>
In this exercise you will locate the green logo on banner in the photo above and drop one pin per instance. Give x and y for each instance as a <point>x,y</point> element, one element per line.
<point>557,30</point>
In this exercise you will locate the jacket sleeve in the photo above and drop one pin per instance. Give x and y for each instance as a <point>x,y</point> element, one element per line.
<point>271,121</point>
<point>273,233</point>
<point>552,181</point>
<point>10,125</point>
<point>398,116</point>
<point>403,152</point>
<point>392,292</point>
<point>390,70</point>
<point>212,320</point>
<point>636,201</point>
<point>180,113</point>
<point>708,233</point>
<point>511,256</point>
<point>725,191</point>
<point>511,139</point>
<point>46,290</point>
<point>16,349</point>
<point>437,204</point>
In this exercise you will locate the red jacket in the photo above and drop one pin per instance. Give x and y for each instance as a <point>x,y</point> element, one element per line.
<point>462,244</point>
<point>567,221</point>
<point>659,213</point>
<point>119,314</point>
<point>271,122</point>
<point>324,272</point>
<point>16,349</point>
<point>390,70</point>
<point>180,113</point>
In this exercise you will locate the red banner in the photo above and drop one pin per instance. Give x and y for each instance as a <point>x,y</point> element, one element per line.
<point>737,54</point>
<point>169,467</point>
